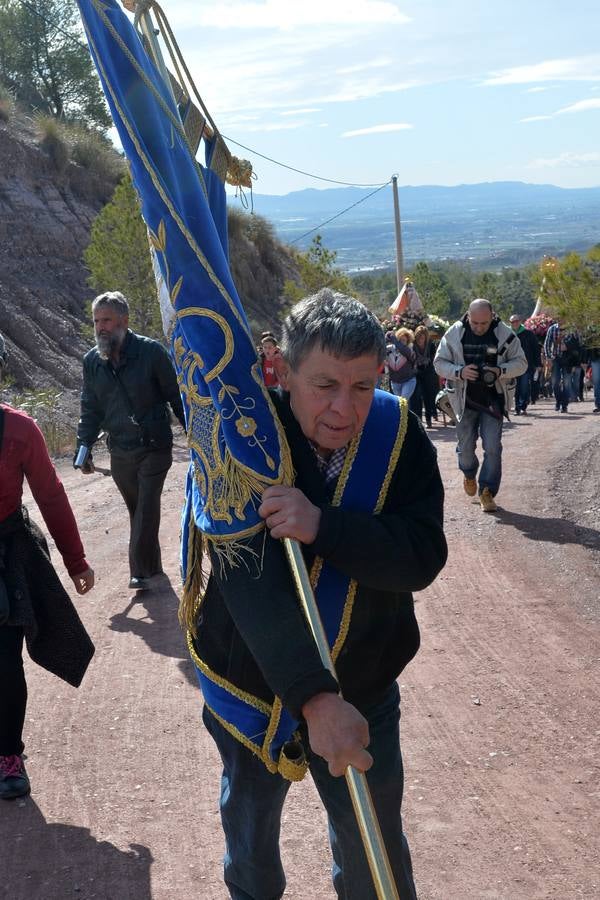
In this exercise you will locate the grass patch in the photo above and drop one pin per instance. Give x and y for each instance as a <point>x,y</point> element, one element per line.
<point>53,141</point>
<point>94,152</point>
<point>7,104</point>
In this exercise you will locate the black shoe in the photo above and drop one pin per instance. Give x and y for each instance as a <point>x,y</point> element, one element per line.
<point>13,778</point>
<point>557,408</point>
<point>564,409</point>
<point>136,583</point>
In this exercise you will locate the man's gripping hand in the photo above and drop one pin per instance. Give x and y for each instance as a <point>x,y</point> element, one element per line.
<point>338,733</point>
<point>290,514</point>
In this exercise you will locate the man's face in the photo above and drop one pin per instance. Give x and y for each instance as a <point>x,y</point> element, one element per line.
<point>480,320</point>
<point>515,324</point>
<point>331,396</point>
<point>110,329</point>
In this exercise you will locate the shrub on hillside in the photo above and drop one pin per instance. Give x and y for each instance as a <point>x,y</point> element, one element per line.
<point>93,151</point>
<point>7,104</point>
<point>53,141</point>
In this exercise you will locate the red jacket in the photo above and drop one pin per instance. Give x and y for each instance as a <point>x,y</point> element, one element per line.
<point>24,454</point>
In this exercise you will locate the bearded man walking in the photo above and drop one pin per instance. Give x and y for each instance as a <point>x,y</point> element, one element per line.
<point>128,383</point>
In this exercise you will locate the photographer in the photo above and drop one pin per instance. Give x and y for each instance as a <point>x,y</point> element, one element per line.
<point>480,357</point>
<point>128,380</point>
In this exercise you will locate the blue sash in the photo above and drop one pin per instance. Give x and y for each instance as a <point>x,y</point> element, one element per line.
<point>267,729</point>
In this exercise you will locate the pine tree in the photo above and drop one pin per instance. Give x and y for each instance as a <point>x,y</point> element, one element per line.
<point>118,257</point>
<point>45,62</point>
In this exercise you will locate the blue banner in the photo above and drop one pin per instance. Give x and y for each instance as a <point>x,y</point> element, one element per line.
<point>237,445</point>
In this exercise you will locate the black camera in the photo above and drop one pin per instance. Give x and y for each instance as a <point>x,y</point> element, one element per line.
<point>491,361</point>
<point>487,376</point>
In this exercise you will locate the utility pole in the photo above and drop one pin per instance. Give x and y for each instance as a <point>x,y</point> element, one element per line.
<point>399,255</point>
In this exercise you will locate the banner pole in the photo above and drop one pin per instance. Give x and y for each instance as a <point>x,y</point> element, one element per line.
<point>364,810</point>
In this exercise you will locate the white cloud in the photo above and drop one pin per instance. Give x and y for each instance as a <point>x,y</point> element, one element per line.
<point>363,67</point>
<point>580,106</point>
<point>580,68</point>
<point>567,160</point>
<point>536,90</point>
<point>300,112</point>
<point>278,15</point>
<point>378,129</point>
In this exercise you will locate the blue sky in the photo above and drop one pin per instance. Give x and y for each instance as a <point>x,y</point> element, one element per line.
<point>437,92</point>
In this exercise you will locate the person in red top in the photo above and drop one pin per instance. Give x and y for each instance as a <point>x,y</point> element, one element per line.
<point>23,454</point>
<point>270,356</point>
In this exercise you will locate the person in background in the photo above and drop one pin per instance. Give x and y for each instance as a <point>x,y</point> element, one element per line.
<point>33,603</point>
<point>593,358</point>
<point>427,381</point>
<point>128,384</point>
<point>563,349</point>
<point>531,349</point>
<point>400,363</point>
<point>480,357</point>
<point>269,355</point>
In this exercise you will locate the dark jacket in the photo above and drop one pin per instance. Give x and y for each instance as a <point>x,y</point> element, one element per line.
<point>55,636</point>
<point>250,626</point>
<point>531,348</point>
<point>147,383</point>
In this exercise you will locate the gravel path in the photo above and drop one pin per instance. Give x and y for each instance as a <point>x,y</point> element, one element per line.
<point>500,708</point>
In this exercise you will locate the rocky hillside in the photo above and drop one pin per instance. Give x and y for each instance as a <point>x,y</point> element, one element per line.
<point>45,220</point>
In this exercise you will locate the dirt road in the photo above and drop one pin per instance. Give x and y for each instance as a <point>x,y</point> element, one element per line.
<point>500,709</point>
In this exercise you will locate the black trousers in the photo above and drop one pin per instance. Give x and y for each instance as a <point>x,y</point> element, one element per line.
<point>13,691</point>
<point>140,475</point>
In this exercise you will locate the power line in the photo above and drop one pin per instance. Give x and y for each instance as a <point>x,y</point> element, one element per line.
<point>337,215</point>
<point>300,171</point>
<point>270,159</point>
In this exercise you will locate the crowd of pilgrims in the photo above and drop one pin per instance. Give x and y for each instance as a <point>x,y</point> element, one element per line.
<point>408,369</point>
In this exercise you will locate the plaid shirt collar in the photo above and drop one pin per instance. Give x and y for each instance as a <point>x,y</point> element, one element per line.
<point>331,468</point>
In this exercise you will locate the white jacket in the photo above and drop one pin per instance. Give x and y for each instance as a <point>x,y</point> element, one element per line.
<point>449,360</point>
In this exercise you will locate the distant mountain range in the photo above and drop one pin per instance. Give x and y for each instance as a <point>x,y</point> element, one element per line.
<point>492,224</point>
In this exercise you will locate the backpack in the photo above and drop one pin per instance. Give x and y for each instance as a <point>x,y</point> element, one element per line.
<point>394,359</point>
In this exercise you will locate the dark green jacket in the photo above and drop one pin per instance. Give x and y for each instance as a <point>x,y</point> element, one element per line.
<point>147,378</point>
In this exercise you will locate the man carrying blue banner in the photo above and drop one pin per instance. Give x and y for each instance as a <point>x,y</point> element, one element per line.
<point>367,507</point>
<point>327,461</point>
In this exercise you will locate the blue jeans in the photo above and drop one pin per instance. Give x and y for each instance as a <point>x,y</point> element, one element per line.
<point>252,802</point>
<point>596,382</point>
<point>523,391</point>
<point>561,384</point>
<point>476,424</point>
<point>404,388</point>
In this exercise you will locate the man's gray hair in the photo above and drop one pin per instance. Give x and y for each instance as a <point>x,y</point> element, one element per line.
<point>114,299</point>
<point>338,324</point>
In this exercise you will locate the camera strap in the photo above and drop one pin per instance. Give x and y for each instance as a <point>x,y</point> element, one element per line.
<point>131,412</point>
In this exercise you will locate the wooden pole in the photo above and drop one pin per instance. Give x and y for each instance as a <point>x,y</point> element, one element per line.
<point>399,254</point>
